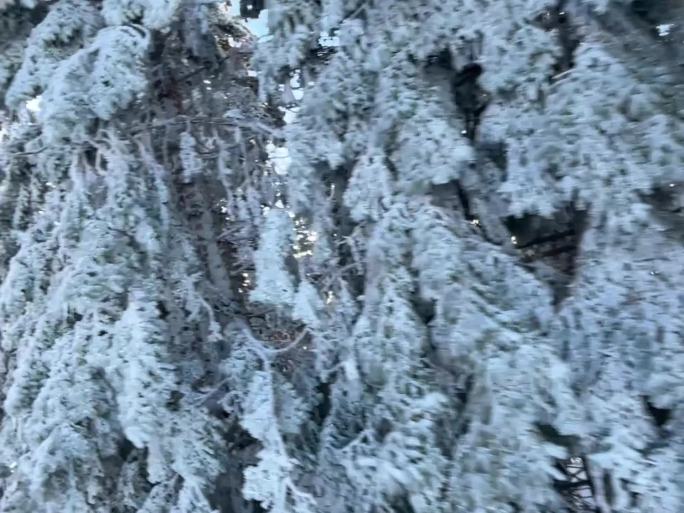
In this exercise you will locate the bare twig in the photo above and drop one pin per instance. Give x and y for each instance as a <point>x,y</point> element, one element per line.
<point>25,153</point>
<point>254,125</point>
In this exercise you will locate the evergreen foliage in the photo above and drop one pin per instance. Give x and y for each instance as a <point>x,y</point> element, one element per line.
<point>463,282</point>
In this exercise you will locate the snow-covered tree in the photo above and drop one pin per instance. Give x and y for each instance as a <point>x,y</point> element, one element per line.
<point>468,274</point>
<point>131,138</point>
<point>438,146</point>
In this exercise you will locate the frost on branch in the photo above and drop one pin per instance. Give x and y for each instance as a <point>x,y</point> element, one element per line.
<point>492,468</point>
<point>117,273</point>
<point>268,418</point>
<point>155,14</point>
<point>602,139</point>
<point>95,82</point>
<point>369,188</point>
<point>15,27</point>
<point>620,333</point>
<point>140,332</point>
<point>69,26</point>
<point>190,160</point>
<point>274,282</point>
<point>423,157</point>
<point>307,304</point>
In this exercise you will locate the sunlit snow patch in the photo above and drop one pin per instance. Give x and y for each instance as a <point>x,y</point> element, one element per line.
<point>664,29</point>
<point>33,105</point>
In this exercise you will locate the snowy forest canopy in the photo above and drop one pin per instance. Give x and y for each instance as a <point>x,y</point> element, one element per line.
<point>389,256</point>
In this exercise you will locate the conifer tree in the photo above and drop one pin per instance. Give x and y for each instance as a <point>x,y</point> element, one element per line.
<point>467,279</point>
<point>493,189</point>
<point>131,139</point>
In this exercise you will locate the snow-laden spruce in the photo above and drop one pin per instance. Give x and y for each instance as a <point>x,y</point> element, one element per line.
<point>118,270</point>
<point>384,334</point>
<point>458,370</point>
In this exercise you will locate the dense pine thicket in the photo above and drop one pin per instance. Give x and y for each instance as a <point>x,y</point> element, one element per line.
<point>120,272</point>
<point>455,287</point>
